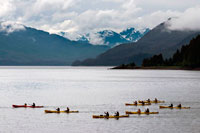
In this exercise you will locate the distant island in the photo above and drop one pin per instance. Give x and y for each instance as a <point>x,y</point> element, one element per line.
<point>187,58</point>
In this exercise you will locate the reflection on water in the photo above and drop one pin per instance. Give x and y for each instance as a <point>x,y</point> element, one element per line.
<point>94,90</point>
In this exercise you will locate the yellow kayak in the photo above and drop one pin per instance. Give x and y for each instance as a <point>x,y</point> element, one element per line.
<point>54,111</point>
<point>129,112</point>
<point>162,107</point>
<point>111,116</point>
<point>139,104</point>
<point>152,101</point>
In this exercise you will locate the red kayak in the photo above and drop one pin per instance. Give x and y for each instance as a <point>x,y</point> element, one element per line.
<point>26,106</point>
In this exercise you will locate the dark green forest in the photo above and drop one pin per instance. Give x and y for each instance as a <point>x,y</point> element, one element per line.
<point>187,56</point>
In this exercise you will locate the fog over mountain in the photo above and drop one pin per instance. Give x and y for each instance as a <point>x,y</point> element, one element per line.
<point>97,15</point>
<point>108,37</point>
<point>161,39</point>
<point>97,22</point>
<point>188,20</point>
<point>21,45</point>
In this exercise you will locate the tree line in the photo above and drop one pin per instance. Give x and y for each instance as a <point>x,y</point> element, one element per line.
<point>187,56</point>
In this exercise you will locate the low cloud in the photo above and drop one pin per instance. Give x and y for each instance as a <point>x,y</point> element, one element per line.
<point>92,37</point>
<point>83,16</point>
<point>5,8</point>
<point>188,20</point>
<point>10,27</point>
<point>95,39</point>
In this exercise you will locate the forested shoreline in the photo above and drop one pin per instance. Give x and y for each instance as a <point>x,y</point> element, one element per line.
<point>188,57</point>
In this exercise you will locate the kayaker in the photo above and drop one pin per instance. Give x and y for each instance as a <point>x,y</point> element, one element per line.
<point>58,109</point>
<point>25,104</point>
<point>135,102</point>
<point>33,104</point>
<point>171,105</point>
<point>117,113</point>
<point>67,109</point>
<point>147,110</point>
<point>148,100</point>
<point>142,103</point>
<point>156,100</point>
<point>139,111</point>
<point>179,106</point>
<point>106,114</point>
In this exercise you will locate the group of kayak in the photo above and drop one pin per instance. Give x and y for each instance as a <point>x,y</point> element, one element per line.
<point>135,103</point>
<point>116,115</point>
<point>46,111</point>
<point>148,102</point>
<point>127,114</point>
<point>138,103</point>
<point>143,103</point>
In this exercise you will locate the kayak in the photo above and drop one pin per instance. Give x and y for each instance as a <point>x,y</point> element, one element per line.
<point>54,111</point>
<point>111,116</point>
<point>151,101</point>
<point>132,104</point>
<point>129,112</point>
<point>162,107</point>
<point>26,106</point>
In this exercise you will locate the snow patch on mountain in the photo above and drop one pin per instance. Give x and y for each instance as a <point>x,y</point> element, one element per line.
<point>107,37</point>
<point>9,27</point>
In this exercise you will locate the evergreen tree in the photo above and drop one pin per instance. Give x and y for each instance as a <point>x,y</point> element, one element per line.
<point>188,56</point>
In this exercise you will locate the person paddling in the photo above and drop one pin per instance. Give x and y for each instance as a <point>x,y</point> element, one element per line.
<point>179,106</point>
<point>135,102</point>
<point>58,109</point>
<point>67,109</point>
<point>33,105</point>
<point>156,100</point>
<point>117,113</point>
<point>25,104</point>
<point>142,103</point>
<point>148,100</point>
<point>171,105</point>
<point>139,111</point>
<point>106,114</point>
<point>147,110</point>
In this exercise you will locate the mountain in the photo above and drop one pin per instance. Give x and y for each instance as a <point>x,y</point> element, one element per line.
<point>133,35</point>
<point>21,45</point>
<point>158,40</point>
<point>105,37</point>
<point>108,37</point>
<point>111,38</point>
<point>187,57</point>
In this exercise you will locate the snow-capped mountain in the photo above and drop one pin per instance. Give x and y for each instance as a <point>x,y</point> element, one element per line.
<point>107,37</point>
<point>133,35</point>
<point>111,38</point>
<point>21,45</point>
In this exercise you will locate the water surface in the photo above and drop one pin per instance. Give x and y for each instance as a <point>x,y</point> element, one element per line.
<point>94,90</point>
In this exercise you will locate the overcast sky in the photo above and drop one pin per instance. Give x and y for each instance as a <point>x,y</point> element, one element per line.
<point>92,15</point>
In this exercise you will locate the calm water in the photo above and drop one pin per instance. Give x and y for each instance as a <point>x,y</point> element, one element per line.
<point>93,91</point>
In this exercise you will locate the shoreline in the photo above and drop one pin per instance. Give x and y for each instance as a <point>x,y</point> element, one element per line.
<point>156,68</point>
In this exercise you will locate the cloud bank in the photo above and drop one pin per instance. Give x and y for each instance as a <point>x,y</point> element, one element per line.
<point>82,16</point>
<point>10,27</point>
<point>188,20</point>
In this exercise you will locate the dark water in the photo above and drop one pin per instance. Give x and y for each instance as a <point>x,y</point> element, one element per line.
<point>94,91</point>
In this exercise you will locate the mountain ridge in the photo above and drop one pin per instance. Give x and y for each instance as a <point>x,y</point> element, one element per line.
<point>30,46</point>
<point>158,40</point>
<point>109,37</point>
